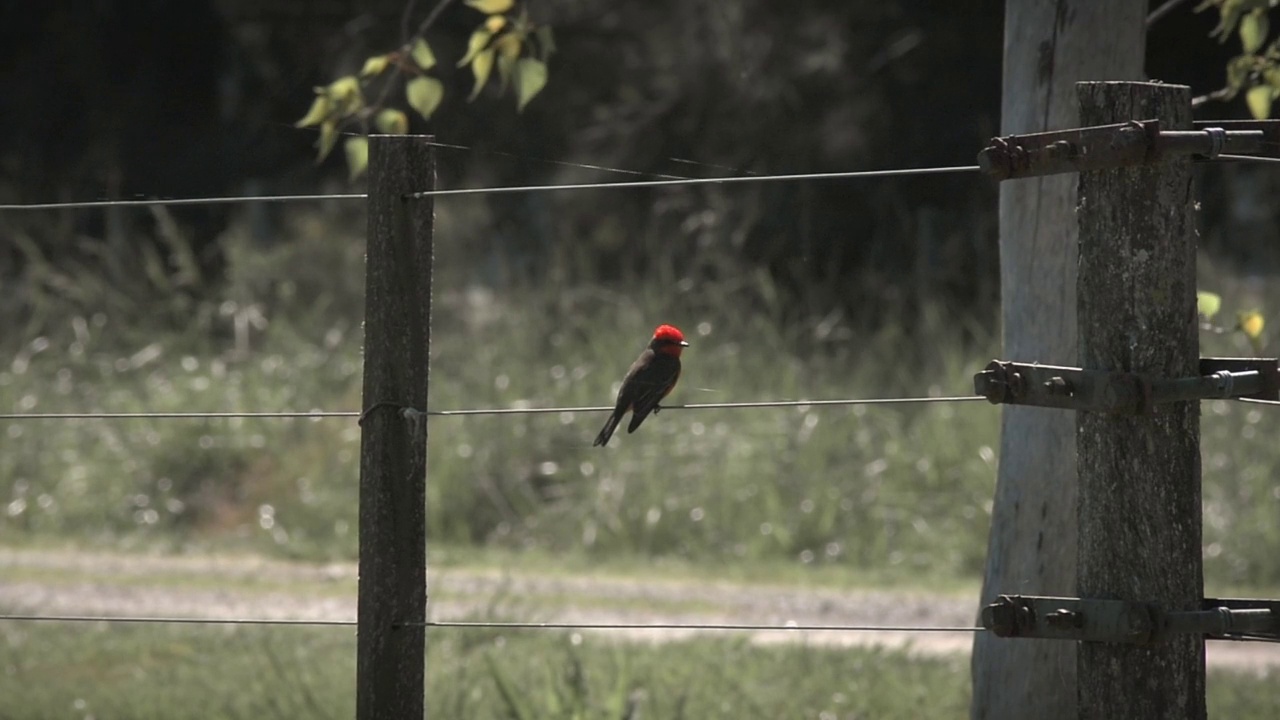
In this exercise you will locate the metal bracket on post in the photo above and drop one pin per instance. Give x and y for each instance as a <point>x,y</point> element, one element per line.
<point>1137,142</point>
<point>1123,621</point>
<point>1072,388</point>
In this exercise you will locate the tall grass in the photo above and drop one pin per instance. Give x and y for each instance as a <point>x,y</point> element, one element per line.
<point>905,488</point>
<point>177,672</point>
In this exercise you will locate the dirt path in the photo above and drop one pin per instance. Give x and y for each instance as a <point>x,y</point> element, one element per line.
<point>60,583</point>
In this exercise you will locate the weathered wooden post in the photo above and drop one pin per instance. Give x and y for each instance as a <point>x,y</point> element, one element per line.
<point>1139,475</point>
<point>391,643</point>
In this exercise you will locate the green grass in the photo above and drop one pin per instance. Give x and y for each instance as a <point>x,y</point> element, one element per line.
<point>176,672</point>
<point>902,491</point>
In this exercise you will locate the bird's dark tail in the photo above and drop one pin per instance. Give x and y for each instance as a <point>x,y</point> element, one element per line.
<point>606,432</point>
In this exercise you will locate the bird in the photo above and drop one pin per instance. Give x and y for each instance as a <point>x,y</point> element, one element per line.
<point>650,379</point>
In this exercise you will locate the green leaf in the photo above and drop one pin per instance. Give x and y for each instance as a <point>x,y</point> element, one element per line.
<point>506,64</point>
<point>318,112</point>
<point>1208,304</point>
<point>392,122</point>
<point>374,65</point>
<point>531,77</point>
<point>345,95</point>
<point>1239,69</point>
<point>479,39</point>
<point>422,55</point>
<point>1253,30</point>
<point>357,149</point>
<point>328,138</point>
<point>1259,100</point>
<point>491,7</point>
<point>1230,13</point>
<point>424,95</point>
<point>546,41</point>
<point>507,48</point>
<point>481,66</point>
<point>1271,76</point>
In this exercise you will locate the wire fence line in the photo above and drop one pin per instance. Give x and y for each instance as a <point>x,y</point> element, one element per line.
<point>666,181</point>
<point>316,414</point>
<point>850,175</point>
<point>1259,401</point>
<point>89,204</point>
<point>498,625</point>
<point>319,414</point>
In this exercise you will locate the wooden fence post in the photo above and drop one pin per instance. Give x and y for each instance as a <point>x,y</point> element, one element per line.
<point>1139,476</point>
<point>391,656</point>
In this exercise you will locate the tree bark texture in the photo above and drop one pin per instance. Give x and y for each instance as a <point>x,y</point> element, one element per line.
<point>1139,493</point>
<point>1049,45</point>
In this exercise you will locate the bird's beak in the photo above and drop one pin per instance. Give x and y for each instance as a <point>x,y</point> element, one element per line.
<point>684,344</point>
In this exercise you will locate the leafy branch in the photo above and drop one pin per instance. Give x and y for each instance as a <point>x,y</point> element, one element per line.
<point>1256,71</point>
<point>1249,322</point>
<point>507,39</point>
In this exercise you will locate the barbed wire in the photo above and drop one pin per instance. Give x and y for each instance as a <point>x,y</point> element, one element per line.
<point>196,415</point>
<point>498,625</point>
<point>89,204</point>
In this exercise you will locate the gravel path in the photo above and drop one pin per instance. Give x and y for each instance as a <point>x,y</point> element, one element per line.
<point>62,583</point>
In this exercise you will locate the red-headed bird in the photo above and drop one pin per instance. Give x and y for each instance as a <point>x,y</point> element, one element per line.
<point>651,378</point>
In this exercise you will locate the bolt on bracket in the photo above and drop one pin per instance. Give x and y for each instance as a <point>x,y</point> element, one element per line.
<point>1137,142</point>
<point>1071,388</point>
<point>1123,621</point>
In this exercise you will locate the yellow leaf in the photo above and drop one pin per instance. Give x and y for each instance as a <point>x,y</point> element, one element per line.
<point>481,66</point>
<point>318,112</point>
<point>479,39</point>
<point>1208,304</point>
<point>495,23</point>
<point>422,55</point>
<point>424,95</point>
<point>491,7</point>
<point>1259,100</point>
<point>1253,30</point>
<point>508,45</point>
<point>531,77</point>
<point>374,66</point>
<point>345,95</point>
<point>328,138</point>
<point>357,149</point>
<point>392,122</point>
<point>1251,324</point>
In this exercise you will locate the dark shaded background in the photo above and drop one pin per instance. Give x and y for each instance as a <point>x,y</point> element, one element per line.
<point>173,98</point>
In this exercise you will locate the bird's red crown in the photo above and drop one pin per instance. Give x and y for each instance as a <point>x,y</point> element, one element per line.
<point>668,332</point>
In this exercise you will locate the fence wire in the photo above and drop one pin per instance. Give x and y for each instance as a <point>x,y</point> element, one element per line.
<point>316,414</point>
<point>512,625</point>
<point>89,204</point>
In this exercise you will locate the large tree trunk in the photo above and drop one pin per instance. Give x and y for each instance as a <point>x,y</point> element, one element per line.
<point>1049,46</point>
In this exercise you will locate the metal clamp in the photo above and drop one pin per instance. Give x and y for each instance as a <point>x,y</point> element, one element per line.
<point>1071,388</point>
<point>1100,147</point>
<point>1123,621</point>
